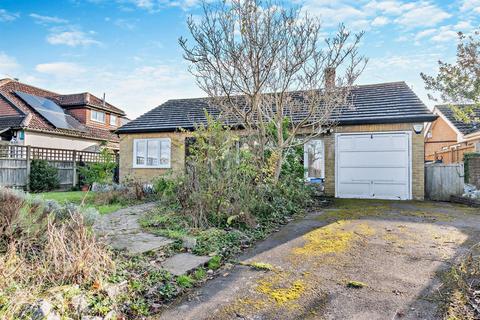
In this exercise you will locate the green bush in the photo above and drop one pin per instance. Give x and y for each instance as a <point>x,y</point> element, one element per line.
<point>100,172</point>
<point>43,176</point>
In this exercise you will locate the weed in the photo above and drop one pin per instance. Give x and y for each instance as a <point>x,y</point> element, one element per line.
<point>199,274</point>
<point>356,284</point>
<point>185,281</point>
<point>214,262</point>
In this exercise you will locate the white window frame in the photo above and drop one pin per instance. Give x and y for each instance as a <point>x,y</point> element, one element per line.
<point>145,166</point>
<point>112,116</point>
<point>305,159</point>
<point>95,112</point>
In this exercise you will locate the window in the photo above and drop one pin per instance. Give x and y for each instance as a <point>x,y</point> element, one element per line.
<point>113,120</point>
<point>314,160</point>
<point>97,116</point>
<point>151,153</point>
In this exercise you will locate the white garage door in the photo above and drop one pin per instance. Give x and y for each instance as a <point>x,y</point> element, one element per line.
<point>373,166</point>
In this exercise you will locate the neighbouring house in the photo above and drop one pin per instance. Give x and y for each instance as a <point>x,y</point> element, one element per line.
<point>448,138</point>
<point>41,118</point>
<point>376,151</point>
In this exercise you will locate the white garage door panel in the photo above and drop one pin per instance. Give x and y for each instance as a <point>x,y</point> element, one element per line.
<point>367,159</point>
<point>375,165</point>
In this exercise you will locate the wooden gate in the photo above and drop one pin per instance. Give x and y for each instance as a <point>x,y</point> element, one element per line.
<point>444,180</point>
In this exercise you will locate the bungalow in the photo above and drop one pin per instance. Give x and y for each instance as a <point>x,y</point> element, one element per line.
<point>448,138</point>
<point>376,151</point>
<point>41,118</point>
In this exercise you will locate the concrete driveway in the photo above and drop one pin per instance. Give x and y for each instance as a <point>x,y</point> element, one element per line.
<point>397,250</point>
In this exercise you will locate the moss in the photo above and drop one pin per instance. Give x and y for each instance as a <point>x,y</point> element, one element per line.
<point>259,265</point>
<point>185,281</point>
<point>281,295</point>
<point>356,284</point>
<point>329,239</point>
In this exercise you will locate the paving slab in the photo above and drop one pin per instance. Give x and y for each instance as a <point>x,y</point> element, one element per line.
<point>122,231</point>
<point>135,243</point>
<point>184,262</point>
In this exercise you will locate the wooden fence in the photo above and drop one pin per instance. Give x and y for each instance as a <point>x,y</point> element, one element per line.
<point>15,164</point>
<point>443,181</point>
<point>452,155</point>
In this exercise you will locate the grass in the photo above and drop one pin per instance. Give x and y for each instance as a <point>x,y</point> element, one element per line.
<point>77,197</point>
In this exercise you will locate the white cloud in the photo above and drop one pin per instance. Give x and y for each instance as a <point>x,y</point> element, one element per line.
<point>6,16</point>
<point>380,21</point>
<point>7,64</point>
<point>60,69</point>
<point>125,24</point>
<point>445,34</point>
<point>136,90</point>
<point>422,14</point>
<point>470,5</point>
<point>72,38</point>
<point>425,33</point>
<point>47,19</point>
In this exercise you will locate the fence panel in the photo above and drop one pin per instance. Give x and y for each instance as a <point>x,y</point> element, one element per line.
<point>15,164</point>
<point>443,181</point>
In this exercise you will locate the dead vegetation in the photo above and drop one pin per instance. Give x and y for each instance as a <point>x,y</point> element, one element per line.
<point>40,252</point>
<point>462,288</point>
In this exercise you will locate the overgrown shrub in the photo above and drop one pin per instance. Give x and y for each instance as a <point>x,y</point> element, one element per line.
<point>100,172</point>
<point>43,176</point>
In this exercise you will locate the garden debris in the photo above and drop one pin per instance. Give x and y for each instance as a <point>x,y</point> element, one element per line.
<point>182,263</point>
<point>471,191</point>
<point>356,284</point>
<point>113,290</point>
<point>43,310</point>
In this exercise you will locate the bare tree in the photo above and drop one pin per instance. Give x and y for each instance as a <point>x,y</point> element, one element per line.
<point>263,66</point>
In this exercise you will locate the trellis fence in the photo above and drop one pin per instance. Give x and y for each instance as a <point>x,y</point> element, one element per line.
<point>15,164</point>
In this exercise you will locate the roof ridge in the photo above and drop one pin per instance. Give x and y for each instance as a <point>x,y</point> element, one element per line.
<point>357,85</point>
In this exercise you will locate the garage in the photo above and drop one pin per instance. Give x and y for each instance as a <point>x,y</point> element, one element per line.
<point>373,165</point>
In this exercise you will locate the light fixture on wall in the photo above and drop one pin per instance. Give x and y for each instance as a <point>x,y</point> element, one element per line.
<point>418,128</point>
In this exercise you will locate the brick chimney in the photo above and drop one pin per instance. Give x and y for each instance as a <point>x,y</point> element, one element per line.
<point>329,78</point>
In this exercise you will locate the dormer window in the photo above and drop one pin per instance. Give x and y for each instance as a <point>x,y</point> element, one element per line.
<point>97,116</point>
<point>113,120</point>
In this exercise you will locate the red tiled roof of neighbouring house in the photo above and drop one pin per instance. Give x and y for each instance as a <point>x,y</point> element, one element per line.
<point>12,107</point>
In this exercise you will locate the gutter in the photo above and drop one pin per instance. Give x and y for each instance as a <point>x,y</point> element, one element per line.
<point>410,119</point>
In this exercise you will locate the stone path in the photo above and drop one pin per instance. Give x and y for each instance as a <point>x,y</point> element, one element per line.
<point>122,230</point>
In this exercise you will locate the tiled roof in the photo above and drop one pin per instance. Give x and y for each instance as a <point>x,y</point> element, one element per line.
<point>372,104</point>
<point>36,121</point>
<point>7,122</point>
<point>463,127</point>
<point>86,99</point>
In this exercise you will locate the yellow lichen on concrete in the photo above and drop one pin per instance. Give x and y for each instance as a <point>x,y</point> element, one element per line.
<point>332,238</point>
<point>365,230</point>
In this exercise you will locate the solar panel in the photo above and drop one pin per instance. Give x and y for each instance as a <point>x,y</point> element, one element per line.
<point>51,111</point>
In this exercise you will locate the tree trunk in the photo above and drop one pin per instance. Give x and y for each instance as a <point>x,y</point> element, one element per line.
<point>278,166</point>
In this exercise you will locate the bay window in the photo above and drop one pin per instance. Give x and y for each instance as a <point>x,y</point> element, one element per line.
<point>151,153</point>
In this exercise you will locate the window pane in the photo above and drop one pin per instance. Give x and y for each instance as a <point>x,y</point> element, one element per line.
<point>140,152</point>
<point>315,157</point>
<point>153,150</point>
<point>113,120</point>
<point>165,153</point>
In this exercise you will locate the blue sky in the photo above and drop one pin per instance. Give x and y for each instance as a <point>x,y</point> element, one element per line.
<point>129,48</point>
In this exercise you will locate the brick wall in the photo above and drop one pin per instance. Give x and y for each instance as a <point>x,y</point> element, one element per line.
<point>146,174</point>
<point>474,171</point>
<point>178,155</point>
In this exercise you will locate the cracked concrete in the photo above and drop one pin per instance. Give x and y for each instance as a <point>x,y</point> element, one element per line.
<point>397,249</point>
